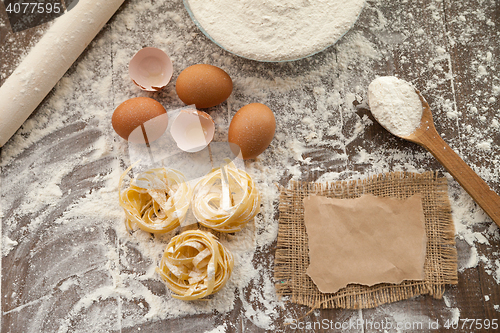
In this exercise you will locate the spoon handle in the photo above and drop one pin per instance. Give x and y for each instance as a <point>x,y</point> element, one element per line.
<point>463,174</point>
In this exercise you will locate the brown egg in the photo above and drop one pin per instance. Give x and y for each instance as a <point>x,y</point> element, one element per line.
<point>203,85</point>
<point>252,129</point>
<point>131,114</point>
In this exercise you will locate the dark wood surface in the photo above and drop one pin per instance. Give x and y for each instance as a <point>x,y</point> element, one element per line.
<point>465,30</point>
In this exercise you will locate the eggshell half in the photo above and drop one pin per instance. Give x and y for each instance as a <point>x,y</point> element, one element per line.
<point>150,69</point>
<point>252,129</point>
<point>192,130</point>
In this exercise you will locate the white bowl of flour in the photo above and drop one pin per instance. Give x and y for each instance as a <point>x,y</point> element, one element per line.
<point>274,30</point>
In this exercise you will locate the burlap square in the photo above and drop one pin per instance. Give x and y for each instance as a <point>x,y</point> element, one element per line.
<point>292,254</point>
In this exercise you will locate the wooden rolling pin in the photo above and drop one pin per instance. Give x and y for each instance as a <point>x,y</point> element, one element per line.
<point>48,60</point>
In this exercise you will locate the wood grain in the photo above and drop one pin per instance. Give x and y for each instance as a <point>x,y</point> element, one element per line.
<point>427,136</point>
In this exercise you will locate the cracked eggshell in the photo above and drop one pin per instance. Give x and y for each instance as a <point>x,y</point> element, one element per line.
<point>192,130</point>
<point>150,69</point>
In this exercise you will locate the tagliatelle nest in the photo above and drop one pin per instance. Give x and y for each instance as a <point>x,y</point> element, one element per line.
<point>156,201</point>
<point>195,265</point>
<point>225,199</point>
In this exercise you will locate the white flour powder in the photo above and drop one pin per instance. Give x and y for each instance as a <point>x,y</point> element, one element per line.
<point>275,30</point>
<point>395,105</point>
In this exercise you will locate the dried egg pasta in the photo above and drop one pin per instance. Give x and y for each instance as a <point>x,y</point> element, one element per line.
<point>225,199</point>
<point>195,265</point>
<point>156,201</point>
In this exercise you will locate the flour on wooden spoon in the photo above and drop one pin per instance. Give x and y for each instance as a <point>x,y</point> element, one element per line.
<point>395,104</point>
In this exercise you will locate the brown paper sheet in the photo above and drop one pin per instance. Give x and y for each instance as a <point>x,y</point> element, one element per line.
<point>367,240</point>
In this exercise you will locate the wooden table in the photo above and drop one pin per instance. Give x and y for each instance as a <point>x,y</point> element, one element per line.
<point>448,49</point>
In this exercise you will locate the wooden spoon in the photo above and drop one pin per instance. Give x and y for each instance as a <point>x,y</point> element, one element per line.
<point>427,136</point>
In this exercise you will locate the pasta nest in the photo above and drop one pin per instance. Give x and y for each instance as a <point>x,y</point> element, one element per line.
<point>156,201</point>
<point>225,199</point>
<point>195,265</point>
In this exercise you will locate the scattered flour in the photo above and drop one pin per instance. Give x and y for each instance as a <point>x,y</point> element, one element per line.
<point>395,105</point>
<point>66,285</point>
<point>7,245</point>
<point>275,30</point>
<point>219,329</point>
<point>455,315</point>
<point>485,145</point>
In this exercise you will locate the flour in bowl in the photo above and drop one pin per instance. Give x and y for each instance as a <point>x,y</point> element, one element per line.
<point>275,30</point>
<point>395,104</point>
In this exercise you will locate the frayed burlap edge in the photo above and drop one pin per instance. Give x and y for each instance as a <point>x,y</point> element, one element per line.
<point>292,254</point>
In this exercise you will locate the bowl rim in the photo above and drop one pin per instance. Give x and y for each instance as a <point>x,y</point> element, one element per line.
<point>193,18</point>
